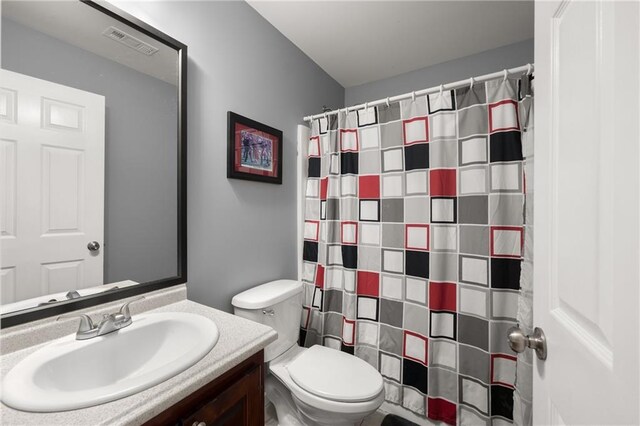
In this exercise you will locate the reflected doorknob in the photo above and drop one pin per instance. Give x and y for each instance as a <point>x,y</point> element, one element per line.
<point>518,341</point>
<point>93,246</point>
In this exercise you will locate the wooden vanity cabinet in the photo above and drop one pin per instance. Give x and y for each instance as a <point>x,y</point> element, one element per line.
<point>234,399</point>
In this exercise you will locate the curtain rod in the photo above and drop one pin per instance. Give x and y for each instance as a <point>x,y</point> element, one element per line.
<point>528,69</point>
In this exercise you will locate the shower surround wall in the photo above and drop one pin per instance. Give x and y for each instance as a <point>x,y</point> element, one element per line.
<point>505,57</point>
<point>413,242</point>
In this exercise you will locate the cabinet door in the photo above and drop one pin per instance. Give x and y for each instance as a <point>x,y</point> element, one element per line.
<point>240,404</point>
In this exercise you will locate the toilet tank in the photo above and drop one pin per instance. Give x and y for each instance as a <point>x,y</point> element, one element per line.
<point>277,304</point>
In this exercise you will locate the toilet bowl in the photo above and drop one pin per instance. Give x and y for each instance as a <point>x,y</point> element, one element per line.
<point>308,386</point>
<point>328,387</point>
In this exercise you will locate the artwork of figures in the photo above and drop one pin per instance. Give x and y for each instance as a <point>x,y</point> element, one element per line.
<point>254,150</point>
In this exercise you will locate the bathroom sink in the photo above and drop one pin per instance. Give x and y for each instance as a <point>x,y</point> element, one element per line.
<point>68,374</point>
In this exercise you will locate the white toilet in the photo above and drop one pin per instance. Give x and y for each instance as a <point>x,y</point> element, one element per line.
<point>314,386</point>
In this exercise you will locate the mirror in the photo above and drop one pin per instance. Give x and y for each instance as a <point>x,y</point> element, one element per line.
<point>92,158</point>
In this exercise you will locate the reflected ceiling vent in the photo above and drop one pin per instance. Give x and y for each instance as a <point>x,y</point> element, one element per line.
<point>129,40</point>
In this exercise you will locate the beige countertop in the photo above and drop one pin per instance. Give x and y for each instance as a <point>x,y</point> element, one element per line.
<point>239,339</point>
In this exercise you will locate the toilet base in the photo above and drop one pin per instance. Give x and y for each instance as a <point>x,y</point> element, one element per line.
<point>281,399</point>
<point>314,417</point>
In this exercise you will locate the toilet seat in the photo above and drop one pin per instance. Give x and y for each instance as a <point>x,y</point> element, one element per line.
<point>279,367</point>
<point>335,375</point>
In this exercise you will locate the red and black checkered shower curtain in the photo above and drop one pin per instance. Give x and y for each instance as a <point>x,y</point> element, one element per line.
<point>413,244</point>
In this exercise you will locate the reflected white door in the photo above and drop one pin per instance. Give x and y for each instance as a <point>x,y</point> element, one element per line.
<point>586,211</point>
<point>51,187</point>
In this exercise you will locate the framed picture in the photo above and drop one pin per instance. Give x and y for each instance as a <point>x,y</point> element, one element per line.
<point>254,151</point>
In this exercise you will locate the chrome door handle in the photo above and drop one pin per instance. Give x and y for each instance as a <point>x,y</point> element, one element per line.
<point>518,341</point>
<point>93,246</point>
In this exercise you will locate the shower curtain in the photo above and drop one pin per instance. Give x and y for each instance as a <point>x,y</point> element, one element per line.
<point>413,245</point>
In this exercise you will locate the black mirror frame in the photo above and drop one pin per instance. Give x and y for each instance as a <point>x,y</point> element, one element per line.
<point>36,313</point>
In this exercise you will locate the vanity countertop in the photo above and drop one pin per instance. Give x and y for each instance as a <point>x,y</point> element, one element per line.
<point>239,339</point>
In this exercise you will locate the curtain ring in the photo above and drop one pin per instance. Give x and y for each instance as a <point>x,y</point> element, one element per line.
<point>529,69</point>
<point>413,96</point>
<point>506,74</point>
<point>388,102</point>
<point>471,82</point>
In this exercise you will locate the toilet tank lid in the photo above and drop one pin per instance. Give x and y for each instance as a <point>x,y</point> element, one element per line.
<point>267,294</point>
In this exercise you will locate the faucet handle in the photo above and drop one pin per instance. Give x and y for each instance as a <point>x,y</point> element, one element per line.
<point>86,324</point>
<point>124,310</point>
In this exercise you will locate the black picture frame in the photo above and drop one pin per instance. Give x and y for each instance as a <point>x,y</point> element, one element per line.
<point>235,168</point>
<point>36,313</point>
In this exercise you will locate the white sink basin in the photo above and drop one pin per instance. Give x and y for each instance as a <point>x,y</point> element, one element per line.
<point>68,374</point>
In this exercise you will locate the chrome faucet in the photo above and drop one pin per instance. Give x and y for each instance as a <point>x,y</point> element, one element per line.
<point>109,323</point>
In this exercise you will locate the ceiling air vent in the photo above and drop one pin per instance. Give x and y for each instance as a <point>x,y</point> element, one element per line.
<point>129,40</point>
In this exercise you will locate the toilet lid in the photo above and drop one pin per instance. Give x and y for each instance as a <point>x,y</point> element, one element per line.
<point>335,375</point>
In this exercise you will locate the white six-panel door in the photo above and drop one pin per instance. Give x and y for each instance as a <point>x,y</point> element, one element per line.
<point>51,187</point>
<point>586,211</point>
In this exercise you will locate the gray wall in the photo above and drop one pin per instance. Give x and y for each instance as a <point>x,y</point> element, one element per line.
<point>140,148</point>
<point>509,56</point>
<point>240,233</point>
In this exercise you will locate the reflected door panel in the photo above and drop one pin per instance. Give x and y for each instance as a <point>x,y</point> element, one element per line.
<point>52,183</point>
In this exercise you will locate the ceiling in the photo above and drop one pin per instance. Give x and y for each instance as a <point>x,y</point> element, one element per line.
<point>80,25</point>
<point>357,42</point>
